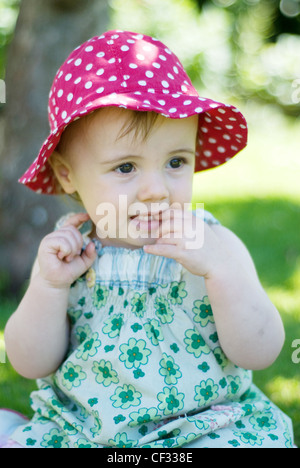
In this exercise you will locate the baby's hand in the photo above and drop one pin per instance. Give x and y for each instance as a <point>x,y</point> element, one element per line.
<point>188,240</point>
<point>60,258</point>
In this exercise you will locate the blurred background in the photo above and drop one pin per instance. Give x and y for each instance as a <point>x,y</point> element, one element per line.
<point>243,52</point>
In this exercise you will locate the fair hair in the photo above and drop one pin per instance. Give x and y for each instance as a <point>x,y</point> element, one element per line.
<point>139,122</point>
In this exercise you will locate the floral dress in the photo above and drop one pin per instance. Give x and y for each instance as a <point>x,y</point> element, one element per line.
<point>145,367</point>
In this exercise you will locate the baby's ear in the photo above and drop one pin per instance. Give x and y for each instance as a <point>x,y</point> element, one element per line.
<point>62,171</point>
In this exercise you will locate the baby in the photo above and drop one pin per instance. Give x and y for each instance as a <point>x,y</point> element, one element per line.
<point>143,330</point>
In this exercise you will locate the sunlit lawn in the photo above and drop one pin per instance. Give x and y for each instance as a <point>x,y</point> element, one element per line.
<point>258,197</point>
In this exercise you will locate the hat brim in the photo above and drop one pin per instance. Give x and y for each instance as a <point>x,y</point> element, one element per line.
<point>222,131</point>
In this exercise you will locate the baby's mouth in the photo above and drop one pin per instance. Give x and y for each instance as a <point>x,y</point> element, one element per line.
<point>148,222</point>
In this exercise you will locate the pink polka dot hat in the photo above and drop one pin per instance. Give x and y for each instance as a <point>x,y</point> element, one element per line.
<point>133,71</point>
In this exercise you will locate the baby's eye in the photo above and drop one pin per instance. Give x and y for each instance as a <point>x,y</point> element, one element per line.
<point>125,168</point>
<point>175,163</point>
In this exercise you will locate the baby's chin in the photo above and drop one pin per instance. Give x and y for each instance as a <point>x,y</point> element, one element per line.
<point>128,243</point>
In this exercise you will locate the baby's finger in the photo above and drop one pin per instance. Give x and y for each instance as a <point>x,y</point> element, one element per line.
<point>74,236</point>
<point>89,255</point>
<point>171,228</point>
<point>164,250</point>
<point>76,220</point>
<point>62,246</point>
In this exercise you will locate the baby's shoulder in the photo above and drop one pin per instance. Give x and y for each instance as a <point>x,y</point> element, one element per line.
<point>206,216</point>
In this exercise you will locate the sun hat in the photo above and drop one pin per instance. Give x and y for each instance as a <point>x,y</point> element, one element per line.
<point>138,72</point>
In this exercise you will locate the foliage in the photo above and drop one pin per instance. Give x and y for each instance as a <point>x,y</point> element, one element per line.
<point>246,52</point>
<point>243,49</point>
<point>8,15</point>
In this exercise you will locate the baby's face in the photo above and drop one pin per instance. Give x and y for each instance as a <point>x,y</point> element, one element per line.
<point>124,181</point>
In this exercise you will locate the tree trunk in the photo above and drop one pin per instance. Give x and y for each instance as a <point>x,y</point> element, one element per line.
<point>46,32</point>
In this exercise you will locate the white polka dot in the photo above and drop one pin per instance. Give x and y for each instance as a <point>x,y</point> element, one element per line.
<point>88,85</point>
<point>212,140</point>
<point>79,100</point>
<point>64,115</point>
<point>77,80</point>
<point>161,102</point>
<point>68,76</point>
<point>100,90</point>
<point>124,48</point>
<point>149,74</point>
<point>221,149</point>
<point>77,62</point>
<point>100,72</point>
<point>165,84</point>
<point>142,83</point>
<point>156,65</point>
<point>198,110</point>
<point>207,154</point>
<point>183,88</point>
<point>70,97</point>
<point>175,70</point>
<point>60,93</point>
<point>112,78</point>
<point>222,111</point>
<point>133,65</point>
<point>89,67</point>
<point>162,57</point>
<point>100,54</point>
<point>186,103</point>
<point>226,137</point>
<point>172,110</point>
<point>89,49</point>
<point>171,76</point>
<point>140,56</point>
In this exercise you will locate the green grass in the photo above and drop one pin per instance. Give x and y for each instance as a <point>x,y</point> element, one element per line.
<point>14,389</point>
<point>270,229</point>
<point>257,195</point>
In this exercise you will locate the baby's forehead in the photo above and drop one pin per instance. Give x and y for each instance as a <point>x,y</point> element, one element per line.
<point>119,121</point>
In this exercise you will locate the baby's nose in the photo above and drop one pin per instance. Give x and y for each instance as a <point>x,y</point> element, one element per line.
<point>153,187</point>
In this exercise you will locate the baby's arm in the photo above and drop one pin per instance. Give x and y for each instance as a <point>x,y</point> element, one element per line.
<point>37,334</point>
<point>249,327</point>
